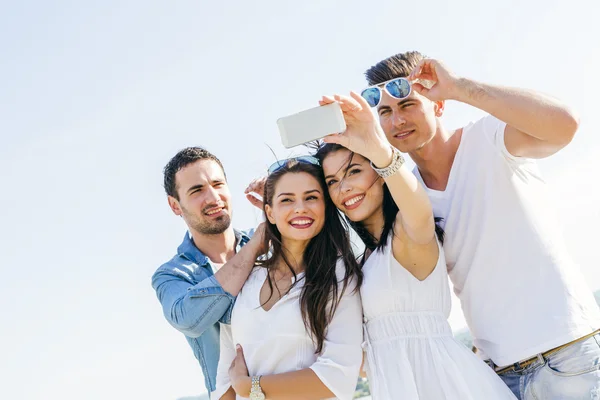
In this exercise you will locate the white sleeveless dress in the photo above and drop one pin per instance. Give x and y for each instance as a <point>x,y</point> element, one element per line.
<point>411,352</point>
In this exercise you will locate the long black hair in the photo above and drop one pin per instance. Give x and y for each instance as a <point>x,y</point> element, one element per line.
<point>389,207</point>
<point>320,295</point>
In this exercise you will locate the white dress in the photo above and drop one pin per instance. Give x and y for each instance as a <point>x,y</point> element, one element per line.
<point>276,341</point>
<point>411,352</point>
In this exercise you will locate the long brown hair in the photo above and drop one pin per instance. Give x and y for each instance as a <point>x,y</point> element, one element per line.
<point>389,208</point>
<point>320,294</point>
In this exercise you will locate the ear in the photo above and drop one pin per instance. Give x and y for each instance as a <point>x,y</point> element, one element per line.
<point>269,212</point>
<point>175,206</point>
<point>438,106</point>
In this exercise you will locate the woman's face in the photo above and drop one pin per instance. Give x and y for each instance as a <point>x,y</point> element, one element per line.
<point>353,185</point>
<point>297,207</point>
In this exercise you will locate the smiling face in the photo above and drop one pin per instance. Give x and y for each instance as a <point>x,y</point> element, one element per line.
<point>297,206</point>
<point>410,123</point>
<point>353,185</point>
<point>204,197</point>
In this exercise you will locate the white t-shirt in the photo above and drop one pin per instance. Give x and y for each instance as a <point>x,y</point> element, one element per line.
<point>276,341</point>
<point>520,292</point>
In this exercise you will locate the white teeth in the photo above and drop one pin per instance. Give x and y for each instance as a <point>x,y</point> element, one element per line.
<point>354,200</point>
<point>301,222</point>
<point>214,211</point>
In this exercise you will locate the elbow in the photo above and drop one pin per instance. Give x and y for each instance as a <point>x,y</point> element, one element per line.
<point>569,127</point>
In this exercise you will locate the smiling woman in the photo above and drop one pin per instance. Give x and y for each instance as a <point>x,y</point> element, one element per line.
<point>298,318</point>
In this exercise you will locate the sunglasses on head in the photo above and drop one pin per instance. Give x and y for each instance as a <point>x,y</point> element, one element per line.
<point>277,165</point>
<point>398,88</point>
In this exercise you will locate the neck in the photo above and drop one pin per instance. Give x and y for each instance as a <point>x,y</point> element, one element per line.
<point>218,248</point>
<point>294,252</point>
<point>435,158</point>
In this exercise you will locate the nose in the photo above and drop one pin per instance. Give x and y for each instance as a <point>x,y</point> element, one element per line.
<point>398,120</point>
<point>300,207</point>
<point>345,185</point>
<point>212,195</point>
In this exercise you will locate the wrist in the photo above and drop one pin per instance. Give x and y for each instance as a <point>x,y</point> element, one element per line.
<point>243,386</point>
<point>383,156</point>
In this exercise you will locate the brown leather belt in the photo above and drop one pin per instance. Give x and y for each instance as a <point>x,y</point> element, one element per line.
<point>524,364</point>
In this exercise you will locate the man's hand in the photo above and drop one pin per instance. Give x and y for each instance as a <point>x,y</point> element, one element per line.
<point>238,373</point>
<point>442,83</point>
<point>256,187</point>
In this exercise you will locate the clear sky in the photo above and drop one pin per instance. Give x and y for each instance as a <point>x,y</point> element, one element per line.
<point>95,98</point>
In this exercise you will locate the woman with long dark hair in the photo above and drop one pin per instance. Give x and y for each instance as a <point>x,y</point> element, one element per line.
<point>411,352</point>
<point>296,328</point>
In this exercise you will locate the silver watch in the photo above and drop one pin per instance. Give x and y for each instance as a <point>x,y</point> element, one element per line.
<point>397,161</point>
<point>256,392</point>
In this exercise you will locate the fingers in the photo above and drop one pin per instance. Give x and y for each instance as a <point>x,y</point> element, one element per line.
<point>336,138</point>
<point>417,87</point>
<point>360,100</point>
<point>326,100</point>
<point>239,352</point>
<point>348,104</point>
<point>256,202</point>
<point>256,186</point>
<point>425,69</point>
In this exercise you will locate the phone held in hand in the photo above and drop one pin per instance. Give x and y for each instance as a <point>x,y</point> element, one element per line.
<point>312,124</point>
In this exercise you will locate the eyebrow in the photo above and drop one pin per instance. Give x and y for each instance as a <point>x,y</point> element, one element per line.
<point>200,186</point>
<point>293,194</point>
<point>349,166</point>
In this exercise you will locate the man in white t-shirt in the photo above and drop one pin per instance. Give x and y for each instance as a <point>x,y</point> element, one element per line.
<point>532,316</point>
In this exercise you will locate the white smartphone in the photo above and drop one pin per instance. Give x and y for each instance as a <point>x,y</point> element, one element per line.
<point>312,124</point>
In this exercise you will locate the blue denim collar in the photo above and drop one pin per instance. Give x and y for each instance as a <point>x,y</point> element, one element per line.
<point>188,249</point>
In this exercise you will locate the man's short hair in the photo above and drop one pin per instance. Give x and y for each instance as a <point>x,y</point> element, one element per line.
<point>182,159</point>
<point>397,66</point>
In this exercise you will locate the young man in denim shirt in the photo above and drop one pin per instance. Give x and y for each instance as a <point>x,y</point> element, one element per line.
<point>198,286</point>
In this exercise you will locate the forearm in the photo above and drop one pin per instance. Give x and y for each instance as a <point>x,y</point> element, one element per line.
<point>229,395</point>
<point>233,274</point>
<point>297,385</point>
<point>532,113</point>
<point>409,195</point>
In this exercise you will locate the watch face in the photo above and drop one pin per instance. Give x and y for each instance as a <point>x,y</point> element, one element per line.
<point>257,396</point>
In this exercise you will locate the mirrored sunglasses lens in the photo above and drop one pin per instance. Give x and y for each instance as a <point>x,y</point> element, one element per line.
<point>372,96</point>
<point>398,88</point>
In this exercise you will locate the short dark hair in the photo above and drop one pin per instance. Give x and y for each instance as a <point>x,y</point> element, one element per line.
<point>396,66</point>
<point>182,159</point>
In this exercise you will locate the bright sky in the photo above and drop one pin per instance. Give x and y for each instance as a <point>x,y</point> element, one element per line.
<point>97,96</point>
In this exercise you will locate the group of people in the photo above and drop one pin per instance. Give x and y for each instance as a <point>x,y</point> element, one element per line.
<point>288,311</point>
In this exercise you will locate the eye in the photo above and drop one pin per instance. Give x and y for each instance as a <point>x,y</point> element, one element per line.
<point>407,105</point>
<point>286,200</point>
<point>384,112</point>
<point>312,197</point>
<point>331,182</point>
<point>354,171</point>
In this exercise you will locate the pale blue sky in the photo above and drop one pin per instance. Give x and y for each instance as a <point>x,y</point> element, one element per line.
<point>96,97</point>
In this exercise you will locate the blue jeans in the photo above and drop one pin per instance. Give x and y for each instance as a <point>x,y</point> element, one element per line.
<point>572,373</point>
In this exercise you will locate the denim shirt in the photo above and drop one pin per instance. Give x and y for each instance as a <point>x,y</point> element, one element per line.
<point>194,302</point>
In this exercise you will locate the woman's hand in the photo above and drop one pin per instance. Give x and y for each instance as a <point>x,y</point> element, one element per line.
<point>363,134</point>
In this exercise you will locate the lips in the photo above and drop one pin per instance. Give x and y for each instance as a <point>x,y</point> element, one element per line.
<point>352,202</point>
<point>404,134</point>
<point>301,222</point>
<point>215,211</point>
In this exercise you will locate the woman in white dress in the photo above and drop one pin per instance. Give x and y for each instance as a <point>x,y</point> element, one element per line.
<point>411,352</point>
<point>298,318</point>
